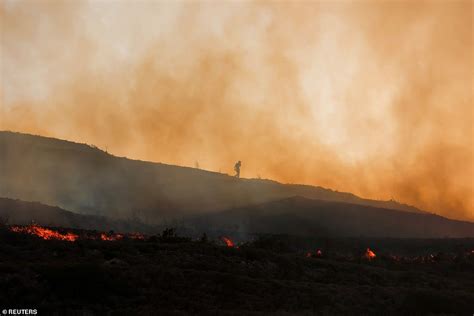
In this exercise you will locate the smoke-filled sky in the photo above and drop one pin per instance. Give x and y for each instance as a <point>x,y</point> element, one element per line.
<point>371,97</point>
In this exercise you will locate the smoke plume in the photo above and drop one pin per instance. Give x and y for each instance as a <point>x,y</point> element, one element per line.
<point>370,97</point>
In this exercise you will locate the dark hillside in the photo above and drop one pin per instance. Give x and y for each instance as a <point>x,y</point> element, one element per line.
<point>293,216</point>
<point>307,217</point>
<point>87,180</point>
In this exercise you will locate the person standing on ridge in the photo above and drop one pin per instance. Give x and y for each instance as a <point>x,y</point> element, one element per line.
<point>237,168</point>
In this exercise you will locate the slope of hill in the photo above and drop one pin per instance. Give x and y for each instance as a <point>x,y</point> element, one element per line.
<point>87,180</point>
<point>306,217</point>
<point>16,212</point>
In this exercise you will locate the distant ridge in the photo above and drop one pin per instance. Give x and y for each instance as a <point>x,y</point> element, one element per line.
<point>307,217</point>
<point>87,180</point>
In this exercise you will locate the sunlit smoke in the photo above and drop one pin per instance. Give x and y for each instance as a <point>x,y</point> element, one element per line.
<point>370,97</point>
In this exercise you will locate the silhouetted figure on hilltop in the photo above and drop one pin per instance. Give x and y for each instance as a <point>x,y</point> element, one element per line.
<point>237,168</point>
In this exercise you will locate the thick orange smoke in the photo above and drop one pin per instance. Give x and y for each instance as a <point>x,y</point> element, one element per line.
<point>369,97</point>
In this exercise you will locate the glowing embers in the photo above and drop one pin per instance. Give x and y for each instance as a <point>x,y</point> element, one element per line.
<point>44,233</point>
<point>138,236</point>
<point>228,241</point>
<point>316,254</point>
<point>111,237</point>
<point>369,254</point>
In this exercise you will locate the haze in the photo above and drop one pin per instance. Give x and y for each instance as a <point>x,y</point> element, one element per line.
<point>373,98</point>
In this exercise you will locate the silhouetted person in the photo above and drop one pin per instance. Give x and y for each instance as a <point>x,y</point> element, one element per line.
<point>237,168</point>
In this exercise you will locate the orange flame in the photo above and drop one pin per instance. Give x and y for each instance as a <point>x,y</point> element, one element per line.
<point>45,233</point>
<point>111,237</point>
<point>369,254</point>
<point>228,241</point>
<point>49,234</point>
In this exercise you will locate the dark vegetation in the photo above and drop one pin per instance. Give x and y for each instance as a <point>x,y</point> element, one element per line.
<point>168,274</point>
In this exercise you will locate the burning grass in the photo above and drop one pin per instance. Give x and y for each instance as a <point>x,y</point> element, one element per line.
<point>111,237</point>
<point>168,274</point>
<point>52,234</point>
<point>44,233</point>
<point>369,254</point>
<point>169,235</point>
<point>228,242</point>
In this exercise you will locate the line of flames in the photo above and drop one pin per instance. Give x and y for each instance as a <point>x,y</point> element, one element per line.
<point>44,233</point>
<point>49,234</point>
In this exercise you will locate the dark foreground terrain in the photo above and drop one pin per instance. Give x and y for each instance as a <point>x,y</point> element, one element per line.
<point>166,274</point>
